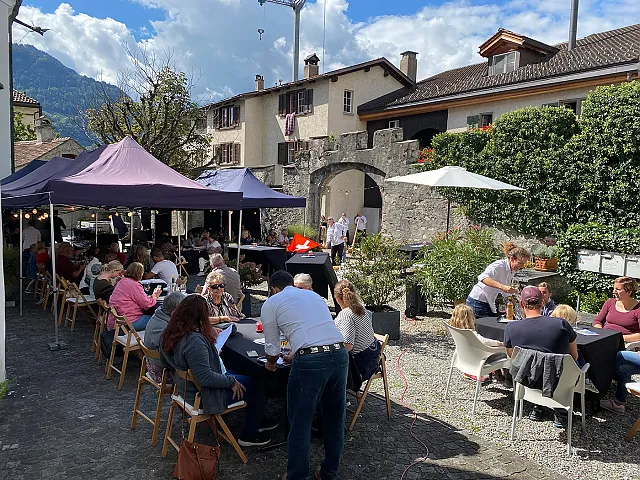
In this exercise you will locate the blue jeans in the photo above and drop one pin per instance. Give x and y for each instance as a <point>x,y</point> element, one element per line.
<point>480,309</point>
<point>627,364</point>
<point>316,379</point>
<point>141,323</point>
<point>256,400</point>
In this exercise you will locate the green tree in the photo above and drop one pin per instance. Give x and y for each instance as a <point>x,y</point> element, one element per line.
<point>21,131</point>
<point>156,110</point>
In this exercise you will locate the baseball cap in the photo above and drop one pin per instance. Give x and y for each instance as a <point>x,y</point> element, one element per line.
<point>531,295</point>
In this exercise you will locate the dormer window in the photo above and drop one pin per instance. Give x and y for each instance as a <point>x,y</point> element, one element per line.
<point>504,62</point>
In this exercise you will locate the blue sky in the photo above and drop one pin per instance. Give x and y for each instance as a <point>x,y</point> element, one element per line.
<point>216,41</point>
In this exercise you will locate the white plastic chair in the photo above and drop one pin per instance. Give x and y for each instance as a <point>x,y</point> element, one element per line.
<point>470,357</point>
<point>632,346</point>
<point>562,395</point>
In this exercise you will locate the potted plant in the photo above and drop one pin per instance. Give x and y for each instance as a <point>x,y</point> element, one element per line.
<point>375,270</point>
<point>11,264</point>
<point>546,257</point>
<point>250,275</point>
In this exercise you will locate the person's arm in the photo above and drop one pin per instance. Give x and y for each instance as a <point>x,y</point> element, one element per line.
<point>197,356</point>
<point>271,335</point>
<point>141,298</point>
<point>601,318</point>
<point>150,275</point>
<point>347,328</point>
<point>573,350</point>
<point>489,342</point>
<point>634,337</point>
<point>495,284</point>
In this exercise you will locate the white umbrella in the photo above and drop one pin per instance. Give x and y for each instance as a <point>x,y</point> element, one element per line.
<point>453,176</point>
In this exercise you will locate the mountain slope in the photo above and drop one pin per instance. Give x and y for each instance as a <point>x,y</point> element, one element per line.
<point>62,92</point>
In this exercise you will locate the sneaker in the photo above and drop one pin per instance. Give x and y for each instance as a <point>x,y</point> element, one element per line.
<point>612,406</point>
<point>258,440</point>
<point>200,274</point>
<point>536,414</point>
<point>560,420</point>
<point>588,385</point>
<point>267,425</point>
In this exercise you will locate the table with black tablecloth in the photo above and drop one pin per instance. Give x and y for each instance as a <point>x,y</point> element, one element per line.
<point>318,265</point>
<point>598,350</point>
<point>271,258</point>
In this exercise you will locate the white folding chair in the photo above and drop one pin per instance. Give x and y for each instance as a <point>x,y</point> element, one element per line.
<point>470,357</point>
<point>571,381</point>
<point>632,346</point>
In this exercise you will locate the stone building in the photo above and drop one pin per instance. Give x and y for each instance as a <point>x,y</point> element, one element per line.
<point>29,108</point>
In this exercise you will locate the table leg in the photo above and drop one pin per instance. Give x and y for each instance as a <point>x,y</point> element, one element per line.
<point>633,431</point>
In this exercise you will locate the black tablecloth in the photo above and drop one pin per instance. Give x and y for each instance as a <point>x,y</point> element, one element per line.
<point>533,277</point>
<point>599,351</point>
<point>319,267</point>
<point>234,355</point>
<point>271,258</point>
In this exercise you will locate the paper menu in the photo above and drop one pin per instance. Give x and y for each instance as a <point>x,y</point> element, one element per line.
<point>222,337</point>
<point>585,331</point>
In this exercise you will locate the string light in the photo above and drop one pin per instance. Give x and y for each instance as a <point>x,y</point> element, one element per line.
<point>46,215</point>
<point>117,214</point>
<point>110,217</point>
<point>93,215</point>
<point>15,215</point>
<point>130,214</point>
<point>27,216</point>
<point>34,211</point>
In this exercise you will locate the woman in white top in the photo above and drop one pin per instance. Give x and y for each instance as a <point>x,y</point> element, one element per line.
<point>355,324</point>
<point>495,279</point>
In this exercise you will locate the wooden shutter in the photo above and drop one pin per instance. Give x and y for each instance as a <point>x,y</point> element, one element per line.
<point>472,121</point>
<point>236,153</point>
<point>282,153</point>
<point>216,153</point>
<point>236,115</point>
<point>217,121</point>
<point>282,104</point>
<point>308,100</point>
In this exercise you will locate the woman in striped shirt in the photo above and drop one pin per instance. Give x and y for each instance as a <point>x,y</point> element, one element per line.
<point>355,324</point>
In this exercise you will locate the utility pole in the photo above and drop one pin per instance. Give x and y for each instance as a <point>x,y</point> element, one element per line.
<point>297,6</point>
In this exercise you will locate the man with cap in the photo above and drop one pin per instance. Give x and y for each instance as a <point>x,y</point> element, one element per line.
<point>541,333</point>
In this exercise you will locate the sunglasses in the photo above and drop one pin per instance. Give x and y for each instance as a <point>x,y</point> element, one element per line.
<point>217,285</point>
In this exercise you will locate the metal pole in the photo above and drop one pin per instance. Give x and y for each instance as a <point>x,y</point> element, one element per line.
<point>96,214</point>
<point>153,226</point>
<point>448,215</point>
<point>230,226</point>
<point>296,42</point>
<point>55,345</point>
<point>179,234</point>
<point>239,236</point>
<point>573,25</point>
<point>133,214</point>
<point>21,250</point>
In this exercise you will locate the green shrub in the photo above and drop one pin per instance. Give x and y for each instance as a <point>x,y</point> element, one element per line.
<point>590,302</point>
<point>11,264</point>
<point>449,269</point>
<point>375,269</point>
<point>250,274</point>
<point>4,388</point>
<point>304,230</point>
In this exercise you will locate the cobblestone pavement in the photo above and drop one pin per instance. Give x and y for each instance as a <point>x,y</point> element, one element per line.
<point>63,419</point>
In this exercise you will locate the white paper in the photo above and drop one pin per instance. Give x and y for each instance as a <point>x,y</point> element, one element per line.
<point>259,341</point>
<point>222,337</point>
<point>585,331</point>
<point>279,362</point>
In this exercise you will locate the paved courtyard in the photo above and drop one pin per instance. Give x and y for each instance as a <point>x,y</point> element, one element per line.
<point>63,419</point>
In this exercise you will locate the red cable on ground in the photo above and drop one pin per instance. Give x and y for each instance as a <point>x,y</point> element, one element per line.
<point>415,414</point>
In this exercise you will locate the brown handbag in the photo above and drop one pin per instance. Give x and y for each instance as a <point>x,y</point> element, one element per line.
<point>196,461</point>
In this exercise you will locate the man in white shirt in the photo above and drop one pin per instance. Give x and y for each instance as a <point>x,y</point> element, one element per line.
<point>164,269</point>
<point>318,373</point>
<point>335,239</point>
<point>30,235</point>
<point>344,221</point>
<point>361,223</point>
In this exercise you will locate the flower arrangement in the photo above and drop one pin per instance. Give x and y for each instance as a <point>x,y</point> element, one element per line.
<point>250,274</point>
<point>425,155</point>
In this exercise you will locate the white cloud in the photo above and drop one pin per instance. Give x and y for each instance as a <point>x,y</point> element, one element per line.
<point>218,40</point>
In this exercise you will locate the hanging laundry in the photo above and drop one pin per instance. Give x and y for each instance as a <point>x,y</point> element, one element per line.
<point>289,123</point>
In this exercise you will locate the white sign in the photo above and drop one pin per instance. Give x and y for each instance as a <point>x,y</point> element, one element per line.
<point>589,260</point>
<point>632,266</point>
<point>612,263</point>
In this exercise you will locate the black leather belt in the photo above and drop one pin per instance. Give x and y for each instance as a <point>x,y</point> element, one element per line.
<point>321,349</point>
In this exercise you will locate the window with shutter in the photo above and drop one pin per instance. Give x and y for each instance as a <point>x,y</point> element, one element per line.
<point>309,100</point>
<point>282,153</point>
<point>282,104</point>
<point>236,115</point>
<point>236,153</point>
<point>472,122</point>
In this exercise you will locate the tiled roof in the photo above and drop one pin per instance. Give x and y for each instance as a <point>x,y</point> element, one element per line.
<point>381,62</point>
<point>600,50</point>
<point>19,97</point>
<point>28,150</point>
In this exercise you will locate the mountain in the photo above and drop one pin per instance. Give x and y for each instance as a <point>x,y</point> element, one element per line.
<point>62,92</point>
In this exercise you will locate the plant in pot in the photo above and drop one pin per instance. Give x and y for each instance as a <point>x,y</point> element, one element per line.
<point>375,270</point>
<point>546,257</point>
<point>250,275</point>
<point>11,265</point>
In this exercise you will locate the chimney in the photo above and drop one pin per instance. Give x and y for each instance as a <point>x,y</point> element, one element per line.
<point>259,83</point>
<point>311,68</point>
<point>44,130</point>
<point>573,25</point>
<point>409,64</point>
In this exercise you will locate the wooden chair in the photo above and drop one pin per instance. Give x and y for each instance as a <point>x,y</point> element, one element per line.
<point>361,395</point>
<point>636,426</point>
<point>160,387</point>
<point>75,298</point>
<point>101,321</point>
<point>239,305</point>
<point>124,334</point>
<point>60,297</point>
<point>195,416</point>
<point>181,262</point>
<point>41,281</point>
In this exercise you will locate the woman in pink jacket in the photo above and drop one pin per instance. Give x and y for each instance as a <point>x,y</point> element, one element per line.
<point>129,299</point>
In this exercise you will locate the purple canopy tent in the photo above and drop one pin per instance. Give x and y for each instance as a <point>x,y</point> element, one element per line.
<point>119,175</point>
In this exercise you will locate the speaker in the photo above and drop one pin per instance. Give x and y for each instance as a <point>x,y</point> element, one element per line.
<point>415,303</point>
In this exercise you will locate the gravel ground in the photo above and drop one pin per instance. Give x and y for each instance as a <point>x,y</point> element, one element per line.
<point>426,349</point>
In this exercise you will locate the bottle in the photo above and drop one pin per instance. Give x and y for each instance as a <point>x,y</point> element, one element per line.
<point>510,309</point>
<point>172,287</point>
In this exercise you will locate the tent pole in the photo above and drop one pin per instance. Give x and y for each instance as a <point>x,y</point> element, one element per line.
<point>21,250</point>
<point>239,237</point>
<point>230,228</point>
<point>96,215</point>
<point>179,235</point>
<point>56,345</point>
<point>186,226</point>
<point>133,213</point>
<point>153,226</point>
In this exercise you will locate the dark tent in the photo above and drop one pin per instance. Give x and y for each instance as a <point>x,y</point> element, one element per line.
<point>119,175</point>
<point>28,168</point>
<point>255,194</point>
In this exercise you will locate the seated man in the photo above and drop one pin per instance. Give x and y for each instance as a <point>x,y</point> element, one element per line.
<point>232,278</point>
<point>164,269</point>
<point>541,333</point>
<point>303,281</point>
<point>283,238</point>
<point>65,267</point>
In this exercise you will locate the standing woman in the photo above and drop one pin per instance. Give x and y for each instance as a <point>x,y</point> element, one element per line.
<point>496,279</point>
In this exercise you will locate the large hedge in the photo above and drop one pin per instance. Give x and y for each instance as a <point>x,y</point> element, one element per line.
<point>573,171</point>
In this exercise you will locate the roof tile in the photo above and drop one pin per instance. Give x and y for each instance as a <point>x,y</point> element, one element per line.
<point>19,97</point>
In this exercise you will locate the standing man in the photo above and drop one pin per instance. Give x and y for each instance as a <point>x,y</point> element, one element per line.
<point>335,239</point>
<point>361,223</point>
<point>344,221</point>
<point>318,374</point>
<point>30,235</point>
<point>58,225</point>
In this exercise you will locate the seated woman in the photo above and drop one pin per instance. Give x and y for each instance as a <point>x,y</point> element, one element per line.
<point>271,237</point>
<point>246,239</point>
<point>621,313</point>
<point>355,324</point>
<point>129,299</point>
<point>104,283</point>
<point>222,307</point>
<point>188,342</point>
